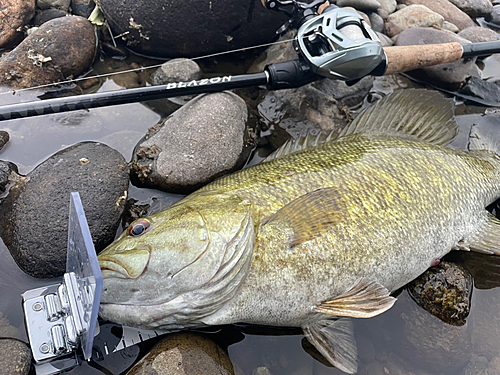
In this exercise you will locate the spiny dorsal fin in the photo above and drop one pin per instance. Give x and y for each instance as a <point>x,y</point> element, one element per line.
<point>487,240</point>
<point>335,340</point>
<point>421,114</point>
<point>301,143</point>
<point>365,299</point>
<point>309,215</point>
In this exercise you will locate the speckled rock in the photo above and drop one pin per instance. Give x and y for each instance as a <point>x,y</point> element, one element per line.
<point>474,8</point>
<point>8,175</point>
<point>208,137</point>
<point>191,28</point>
<point>58,49</point>
<point>359,4</point>
<point>4,138</point>
<point>184,354</point>
<point>15,357</point>
<point>479,34</point>
<point>176,70</point>
<point>14,14</point>
<point>34,215</point>
<point>445,291</point>
<point>449,11</point>
<point>449,74</point>
<point>412,16</point>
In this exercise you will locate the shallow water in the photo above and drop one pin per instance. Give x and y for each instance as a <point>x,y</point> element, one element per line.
<point>388,344</point>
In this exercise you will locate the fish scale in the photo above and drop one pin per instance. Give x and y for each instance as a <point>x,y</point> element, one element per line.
<point>316,233</point>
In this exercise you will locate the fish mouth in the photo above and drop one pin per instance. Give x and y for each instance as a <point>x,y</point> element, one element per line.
<point>128,264</point>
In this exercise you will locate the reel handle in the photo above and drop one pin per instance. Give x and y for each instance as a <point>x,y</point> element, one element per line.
<point>405,58</point>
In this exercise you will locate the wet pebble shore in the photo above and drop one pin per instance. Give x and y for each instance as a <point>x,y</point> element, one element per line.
<point>143,157</point>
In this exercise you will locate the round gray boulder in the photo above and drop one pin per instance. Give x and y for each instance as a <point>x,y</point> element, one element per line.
<point>205,139</point>
<point>34,215</point>
<point>191,28</point>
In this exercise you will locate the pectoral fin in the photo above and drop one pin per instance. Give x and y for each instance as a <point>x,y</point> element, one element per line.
<point>311,214</point>
<point>364,300</point>
<point>334,339</point>
<point>487,240</point>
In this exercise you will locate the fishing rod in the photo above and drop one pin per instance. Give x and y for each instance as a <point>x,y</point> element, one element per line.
<point>331,42</point>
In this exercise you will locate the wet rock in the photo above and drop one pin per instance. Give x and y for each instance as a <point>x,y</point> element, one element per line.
<point>186,28</point>
<point>82,8</point>
<point>8,175</point>
<point>377,22</point>
<point>449,74</point>
<point>359,4</point>
<point>303,110</point>
<point>58,49</point>
<point>261,371</point>
<point>56,4</point>
<point>48,14</point>
<point>345,94</point>
<point>474,8</point>
<point>4,138</point>
<point>479,34</point>
<point>494,17</point>
<point>494,366</point>
<point>176,70</point>
<point>14,14</point>
<point>412,16</point>
<point>486,322</point>
<point>15,357</point>
<point>208,137</point>
<point>276,53</point>
<point>388,5</point>
<point>449,11</point>
<point>35,213</point>
<point>476,366</point>
<point>445,291</point>
<point>184,354</point>
<point>486,91</point>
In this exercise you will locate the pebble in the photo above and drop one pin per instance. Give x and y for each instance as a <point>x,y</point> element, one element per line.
<point>449,11</point>
<point>450,27</point>
<point>46,15</point>
<point>176,70</point>
<point>184,354</point>
<point>376,22</point>
<point>4,138</point>
<point>359,4</point>
<point>15,357</point>
<point>449,75</point>
<point>58,49</point>
<point>412,16</point>
<point>479,34</point>
<point>474,8</point>
<point>14,15</point>
<point>56,4</point>
<point>208,137</point>
<point>97,172</point>
<point>388,5</point>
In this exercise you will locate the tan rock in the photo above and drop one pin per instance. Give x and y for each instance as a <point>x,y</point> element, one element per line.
<point>445,8</point>
<point>14,14</point>
<point>412,16</point>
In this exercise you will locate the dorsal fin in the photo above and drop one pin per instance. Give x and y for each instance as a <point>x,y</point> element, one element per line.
<point>421,114</point>
<point>301,143</point>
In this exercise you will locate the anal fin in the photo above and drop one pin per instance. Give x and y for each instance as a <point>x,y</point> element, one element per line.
<point>365,299</point>
<point>334,339</point>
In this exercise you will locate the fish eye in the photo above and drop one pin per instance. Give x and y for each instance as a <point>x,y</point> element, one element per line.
<point>138,227</point>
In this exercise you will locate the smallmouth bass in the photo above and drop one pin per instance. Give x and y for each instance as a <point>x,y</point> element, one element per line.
<point>323,230</point>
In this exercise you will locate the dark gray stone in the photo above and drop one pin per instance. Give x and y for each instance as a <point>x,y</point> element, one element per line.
<point>208,137</point>
<point>377,22</point>
<point>494,17</point>
<point>4,138</point>
<point>479,34</point>
<point>55,4</point>
<point>82,8</point>
<point>474,8</point>
<point>48,14</point>
<point>58,49</point>
<point>15,357</point>
<point>14,15</point>
<point>35,212</point>
<point>348,95</point>
<point>445,291</point>
<point>486,91</point>
<point>191,28</point>
<point>442,74</point>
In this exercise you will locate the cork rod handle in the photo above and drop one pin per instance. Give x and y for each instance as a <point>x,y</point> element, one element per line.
<point>404,58</point>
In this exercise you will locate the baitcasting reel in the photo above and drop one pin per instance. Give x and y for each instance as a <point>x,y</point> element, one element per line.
<point>337,43</point>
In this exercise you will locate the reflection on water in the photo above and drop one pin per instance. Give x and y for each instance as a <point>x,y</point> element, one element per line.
<point>404,340</point>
